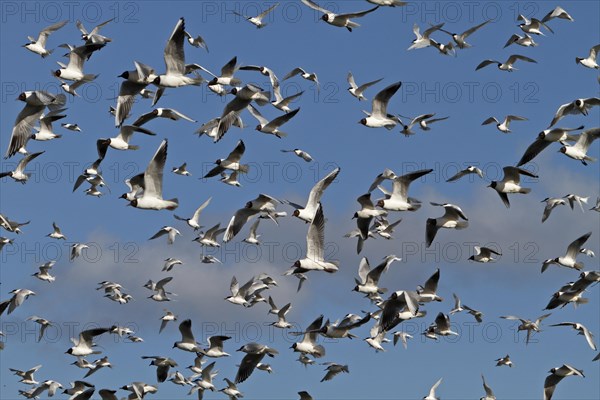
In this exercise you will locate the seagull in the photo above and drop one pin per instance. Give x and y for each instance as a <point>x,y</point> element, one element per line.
<point>400,306</point>
<point>71,89</point>
<point>266,71</point>
<point>340,330</point>
<point>181,170</point>
<point>308,345</point>
<point>578,151</point>
<point>257,21</point>
<point>230,179</point>
<point>76,249</point>
<point>574,199</point>
<point>339,20</point>
<point>369,278</point>
<point>402,336</point>
<point>469,170</point>
<point>379,117</point>
<point>388,3</point>
<point>533,26</point>
<point>162,365</point>
<point>252,236</point>
<point>39,46</point>
<point>504,361</point>
<point>423,40</point>
<point>243,295</point>
<point>11,226</point>
<point>209,238</point>
<point>282,103</point>
<point>510,183</point>
<point>307,213</point>
<point>556,375</point>
<point>527,325</point>
<point>255,352</point>
<point>569,260</point>
<point>135,83</point>
<point>83,346</point>
<point>525,41</point>
<point>271,127</point>
<point>421,120</point>
<point>357,91</point>
<point>431,395</point>
<point>544,139</point>
<point>384,228</point>
<point>450,220</point>
<point>193,221</point>
<point>399,200</point>
<point>315,249</point>
<point>231,390</point>
<point>304,395</point>
<point>281,321</point>
<point>198,363</point>
<point>159,288</point>
<point>4,241</point>
<point>169,231</point>
<point>77,57</point>
<point>174,56</point>
<point>205,381</point>
<point>215,347</point>
<point>483,254</point>
<point>19,174</point>
<point>507,65</point>
<point>197,41</point>
<point>457,305</point>
<point>93,37</point>
<point>551,203</point>
<point>151,198</point>
<point>576,107</point>
<point>558,12</point>
<point>263,203</point>
<point>121,141</point>
<point>170,263</point>
<point>232,162</point>
<point>489,394</point>
<point>334,369</point>
<point>18,297</point>
<point>98,364</point>
<point>45,131</point>
<point>590,61</point>
<point>169,316</point>
<point>441,326</point>
<point>427,293</point>
<point>504,125</point>
<point>167,113</point>
<point>309,76</point>
<point>460,39</point>
<point>300,153</point>
<point>187,343</point>
<point>27,376</point>
<point>581,330</point>
<point>44,274</point>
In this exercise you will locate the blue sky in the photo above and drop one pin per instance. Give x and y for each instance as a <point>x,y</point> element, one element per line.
<point>327,128</point>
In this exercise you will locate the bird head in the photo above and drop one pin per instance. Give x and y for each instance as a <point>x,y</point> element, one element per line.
<point>124,75</point>
<point>363,121</point>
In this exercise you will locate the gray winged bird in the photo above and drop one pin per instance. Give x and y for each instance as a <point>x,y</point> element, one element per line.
<point>263,203</point>
<point>576,107</point>
<point>19,174</point>
<point>255,352</point>
<point>460,39</point>
<point>579,150</point>
<point>510,183</point>
<point>581,330</point>
<point>232,162</point>
<point>369,277</point>
<point>339,20</point>
<point>507,65</point>
<point>379,117</point>
<point>544,139</point>
<point>469,170</point>
<point>271,127</point>
<point>39,46</point>
<point>231,112</point>
<point>557,375</point>
<point>569,260</point>
<point>35,104</point>
<point>307,212</point>
<point>357,91</point>
<point>257,20</point>
<point>527,325</point>
<point>450,220</point>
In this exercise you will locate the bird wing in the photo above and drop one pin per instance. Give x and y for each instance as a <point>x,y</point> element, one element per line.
<point>315,238</point>
<point>174,53</point>
<point>314,197</point>
<point>363,270</point>
<point>185,328</point>
<point>575,246</point>
<point>381,99</point>
<point>153,176</point>
<point>315,6</point>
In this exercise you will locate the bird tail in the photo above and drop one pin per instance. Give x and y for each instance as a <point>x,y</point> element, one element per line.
<point>280,134</point>
<point>524,190</point>
<point>57,136</point>
<point>578,60</point>
<point>176,201</point>
<point>48,52</point>
<point>572,138</point>
<point>352,24</point>
<point>590,159</point>
<point>243,169</point>
<point>133,147</point>
<point>578,266</point>
<point>197,80</point>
